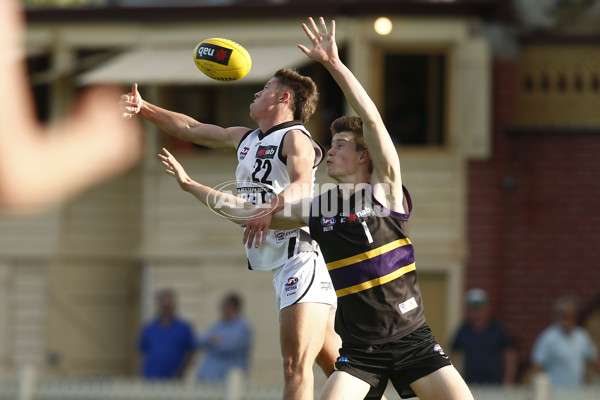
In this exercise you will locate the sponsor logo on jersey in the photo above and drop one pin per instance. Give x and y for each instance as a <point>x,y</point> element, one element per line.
<point>408,305</point>
<point>214,53</point>
<point>365,212</point>
<point>327,221</point>
<point>352,217</point>
<point>244,152</point>
<point>266,152</point>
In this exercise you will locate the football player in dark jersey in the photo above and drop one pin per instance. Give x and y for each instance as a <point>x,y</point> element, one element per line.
<point>361,227</point>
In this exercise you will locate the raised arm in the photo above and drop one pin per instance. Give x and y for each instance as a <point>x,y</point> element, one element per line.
<point>228,205</point>
<point>180,125</point>
<point>381,148</point>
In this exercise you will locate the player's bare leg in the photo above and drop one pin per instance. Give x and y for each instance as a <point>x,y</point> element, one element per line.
<point>445,383</point>
<point>302,334</point>
<point>331,347</point>
<point>343,386</point>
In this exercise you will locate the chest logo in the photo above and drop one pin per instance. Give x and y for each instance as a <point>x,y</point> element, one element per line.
<point>327,221</point>
<point>266,152</point>
<point>244,152</point>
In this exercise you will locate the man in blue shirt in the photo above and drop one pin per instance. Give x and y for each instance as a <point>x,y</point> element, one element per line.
<point>489,356</point>
<point>564,350</point>
<point>166,344</point>
<point>227,343</point>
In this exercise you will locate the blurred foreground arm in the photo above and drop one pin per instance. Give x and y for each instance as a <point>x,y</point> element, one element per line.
<point>41,166</point>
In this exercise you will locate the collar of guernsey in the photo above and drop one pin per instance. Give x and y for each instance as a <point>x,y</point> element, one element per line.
<point>262,174</point>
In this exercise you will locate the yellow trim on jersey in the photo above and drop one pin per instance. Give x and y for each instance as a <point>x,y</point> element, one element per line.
<point>368,254</point>
<point>376,282</point>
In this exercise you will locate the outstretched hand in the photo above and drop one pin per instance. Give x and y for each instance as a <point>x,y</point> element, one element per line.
<point>324,47</point>
<point>131,103</point>
<point>174,168</point>
<point>257,227</point>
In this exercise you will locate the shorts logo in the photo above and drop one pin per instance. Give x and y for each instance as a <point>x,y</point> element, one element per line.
<point>266,152</point>
<point>437,348</point>
<point>342,359</point>
<point>327,221</point>
<point>291,281</point>
<point>291,285</point>
<point>244,152</point>
<point>280,236</point>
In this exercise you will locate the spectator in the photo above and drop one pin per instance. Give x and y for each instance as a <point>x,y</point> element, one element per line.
<point>489,357</point>
<point>167,343</point>
<point>564,350</point>
<point>227,343</point>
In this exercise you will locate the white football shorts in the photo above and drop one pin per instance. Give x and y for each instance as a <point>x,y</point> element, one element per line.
<point>304,279</point>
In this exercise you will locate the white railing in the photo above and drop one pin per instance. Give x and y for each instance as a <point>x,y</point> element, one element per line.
<point>30,388</point>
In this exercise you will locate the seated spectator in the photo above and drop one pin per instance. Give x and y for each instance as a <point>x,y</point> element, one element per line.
<point>227,343</point>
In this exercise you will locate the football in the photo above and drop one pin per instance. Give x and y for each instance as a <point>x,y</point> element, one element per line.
<point>222,59</point>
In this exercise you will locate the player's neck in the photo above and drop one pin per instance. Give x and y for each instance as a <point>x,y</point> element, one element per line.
<point>352,183</point>
<point>274,119</point>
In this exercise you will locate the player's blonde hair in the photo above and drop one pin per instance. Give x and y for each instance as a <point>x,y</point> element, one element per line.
<point>303,90</point>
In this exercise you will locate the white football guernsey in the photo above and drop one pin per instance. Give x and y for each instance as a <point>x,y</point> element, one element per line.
<point>261,174</point>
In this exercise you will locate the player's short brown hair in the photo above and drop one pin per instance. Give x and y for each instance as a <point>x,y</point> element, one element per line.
<point>350,124</point>
<point>305,95</point>
<point>354,125</point>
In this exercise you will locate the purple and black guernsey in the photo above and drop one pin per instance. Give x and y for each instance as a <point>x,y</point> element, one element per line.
<point>372,266</point>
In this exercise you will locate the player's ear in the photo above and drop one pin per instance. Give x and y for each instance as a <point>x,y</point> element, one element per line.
<point>285,97</point>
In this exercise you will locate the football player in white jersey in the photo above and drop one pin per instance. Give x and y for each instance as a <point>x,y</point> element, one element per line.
<point>278,154</point>
<point>380,311</point>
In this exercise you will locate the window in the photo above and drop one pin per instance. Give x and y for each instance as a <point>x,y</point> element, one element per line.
<point>223,105</point>
<point>413,97</point>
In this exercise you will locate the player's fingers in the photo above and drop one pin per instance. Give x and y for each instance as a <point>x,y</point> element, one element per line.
<point>264,234</point>
<point>308,32</point>
<point>134,90</point>
<point>246,233</point>
<point>313,25</point>
<point>167,153</point>
<point>304,49</point>
<point>333,27</point>
<point>323,25</point>
<point>257,242</point>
